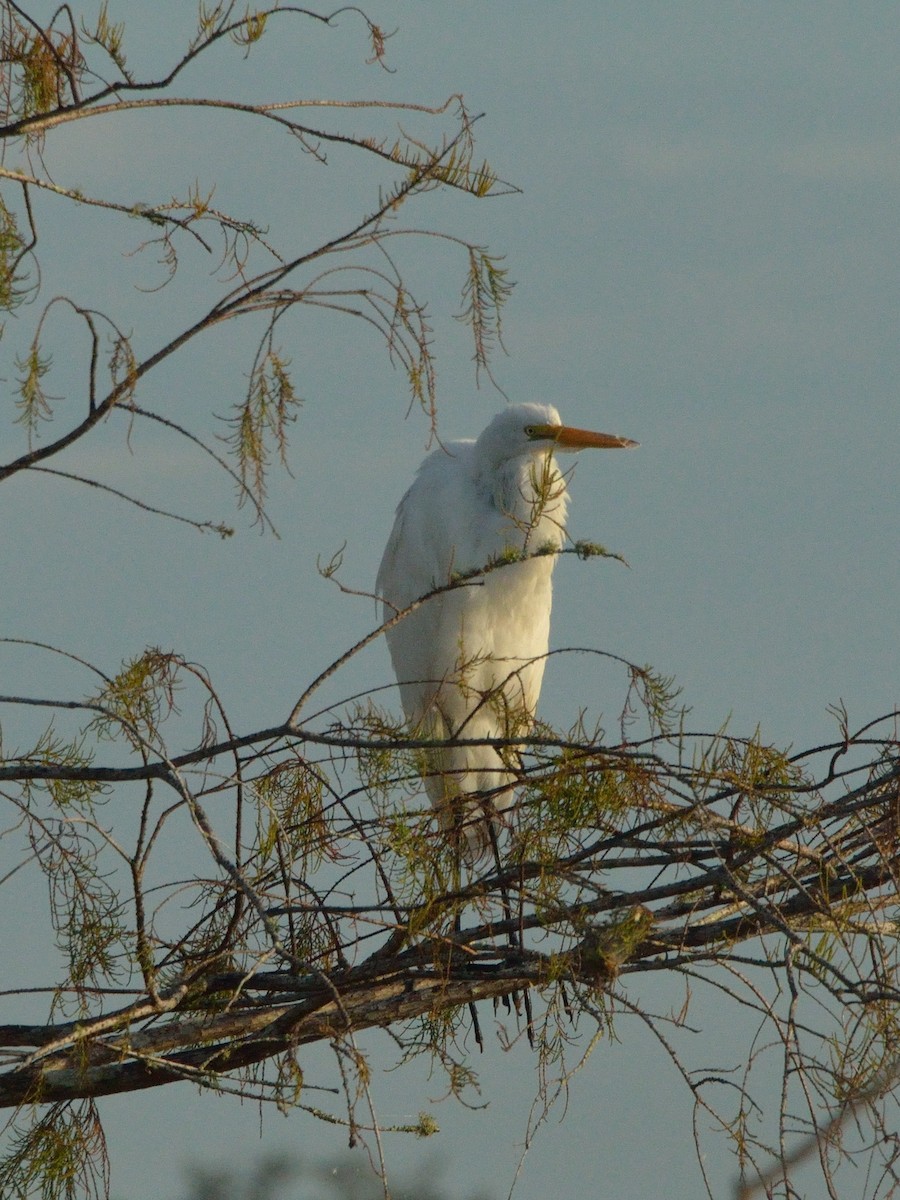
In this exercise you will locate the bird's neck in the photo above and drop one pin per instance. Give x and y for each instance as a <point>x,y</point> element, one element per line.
<point>531,492</point>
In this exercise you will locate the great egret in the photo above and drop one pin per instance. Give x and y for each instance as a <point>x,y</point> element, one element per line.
<point>470,661</point>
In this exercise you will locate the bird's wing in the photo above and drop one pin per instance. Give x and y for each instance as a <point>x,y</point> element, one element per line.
<point>419,556</point>
<point>430,520</point>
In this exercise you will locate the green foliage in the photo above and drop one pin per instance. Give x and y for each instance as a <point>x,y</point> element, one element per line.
<point>260,424</point>
<point>60,1156</point>
<point>123,369</point>
<point>654,697</point>
<point>381,764</point>
<point>291,823</point>
<point>109,37</point>
<point>485,292</point>
<point>87,916</point>
<point>574,792</point>
<point>606,948</point>
<point>67,841</point>
<point>139,698</point>
<point>12,250</point>
<point>44,63</point>
<point>456,170</point>
<point>33,403</point>
<point>70,796</point>
<point>585,550</point>
<point>251,30</point>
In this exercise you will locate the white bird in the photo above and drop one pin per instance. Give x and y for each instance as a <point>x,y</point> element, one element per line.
<point>470,661</point>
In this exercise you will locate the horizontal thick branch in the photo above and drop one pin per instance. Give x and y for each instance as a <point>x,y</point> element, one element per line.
<point>220,1043</point>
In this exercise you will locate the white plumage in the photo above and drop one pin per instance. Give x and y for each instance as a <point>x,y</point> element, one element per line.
<point>470,661</point>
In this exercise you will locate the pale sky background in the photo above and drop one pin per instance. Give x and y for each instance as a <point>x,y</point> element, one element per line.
<point>706,257</point>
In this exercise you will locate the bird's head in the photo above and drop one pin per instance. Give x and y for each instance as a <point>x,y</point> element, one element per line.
<point>528,428</point>
<point>567,437</point>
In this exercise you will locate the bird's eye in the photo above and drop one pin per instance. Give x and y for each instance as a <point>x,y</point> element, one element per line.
<point>531,431</point>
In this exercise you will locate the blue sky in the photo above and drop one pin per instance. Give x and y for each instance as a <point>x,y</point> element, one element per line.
<point>706,256</point>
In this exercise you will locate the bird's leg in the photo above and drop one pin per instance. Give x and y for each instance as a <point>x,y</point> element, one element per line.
<point>487,817</point>
<point>526,995</point>
<point>457,927</point>
<point>513,938</point>
<point>476,1027</point>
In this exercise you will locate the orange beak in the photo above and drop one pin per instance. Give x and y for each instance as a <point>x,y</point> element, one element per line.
<point>568,438</point>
